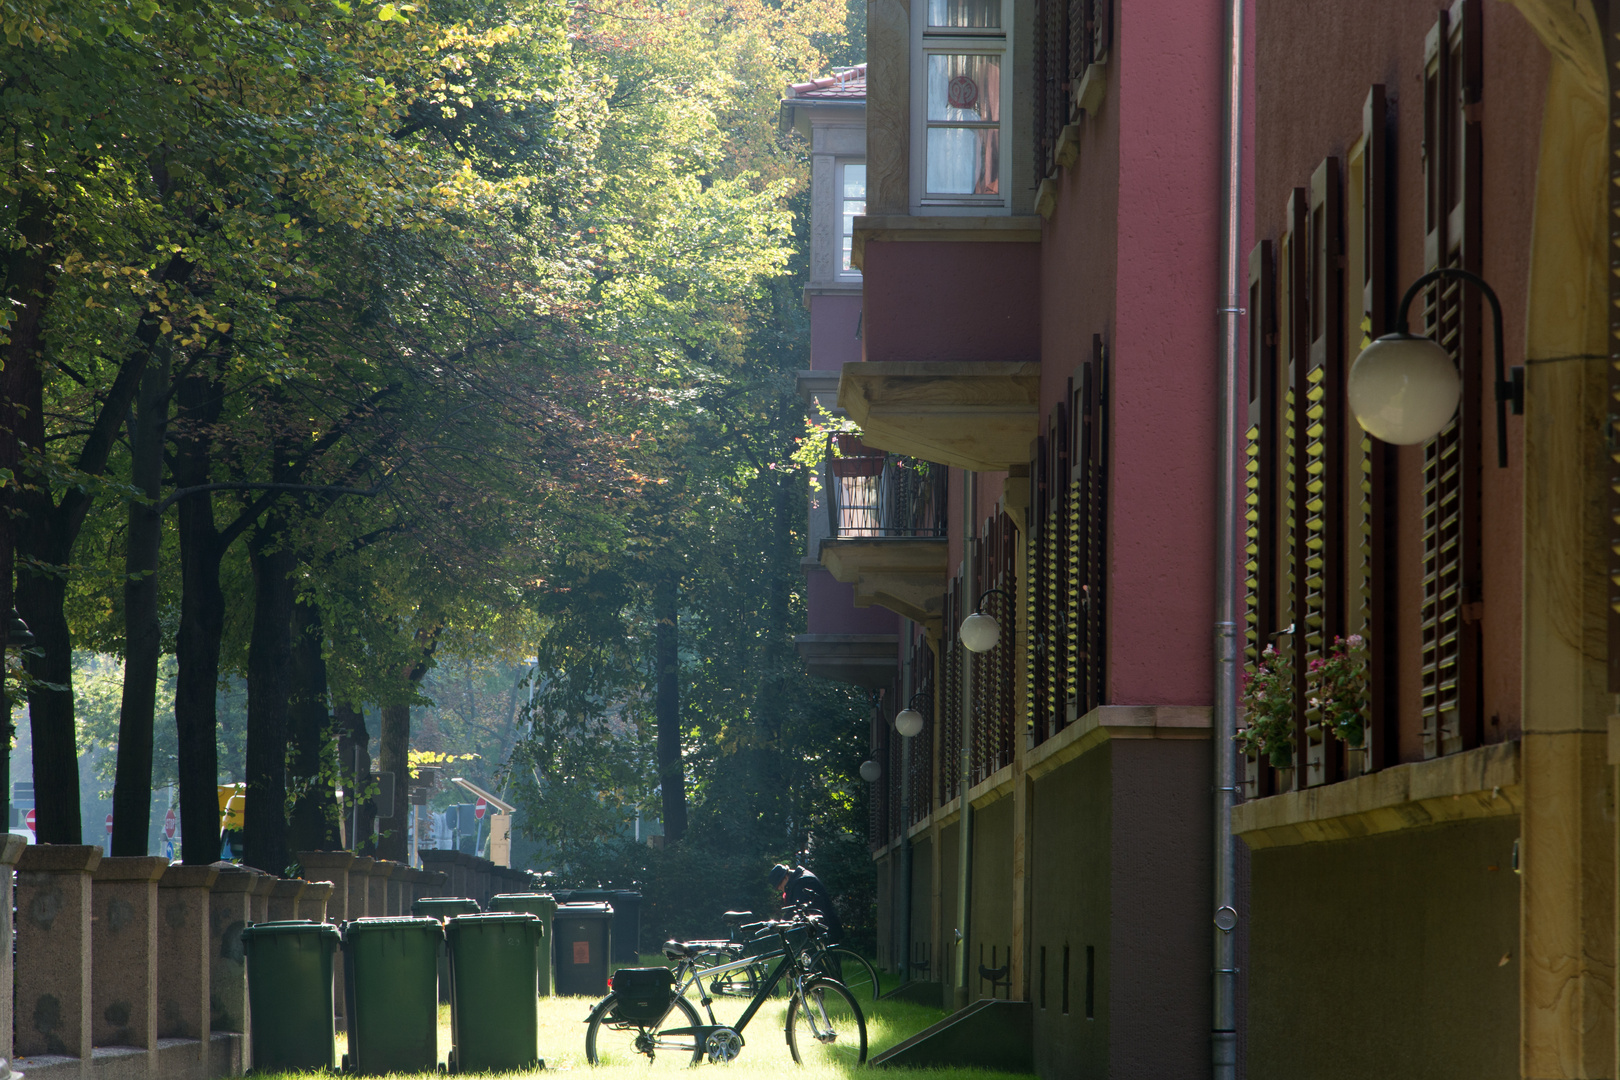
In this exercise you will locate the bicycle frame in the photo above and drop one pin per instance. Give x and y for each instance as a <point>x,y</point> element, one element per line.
<point>790,959</point>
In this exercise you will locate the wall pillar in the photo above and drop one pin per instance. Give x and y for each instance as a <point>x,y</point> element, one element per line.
<point>259,899</point>
<point>53,949</point>
<point>332,866</point>
<point>360,887</point>
<point>10,849</point>
<point>377,896</point>
<point>284,894</point>
<point>229,911</point>
<point>183,959</point>
<point>313,901</point>
<point>123,934</point>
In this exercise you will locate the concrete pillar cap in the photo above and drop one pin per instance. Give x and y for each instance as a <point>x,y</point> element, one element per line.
<point>362,864</point>
<point>317,890</point>
<point>236,879</point>
<point>325,860</point>
<point>287,888</point>
<point>59,858</point>
<point>265,883</point>
<point>180,876</point>
<point>382,868</point>
<point>11,849</point>
<point>131,868</point>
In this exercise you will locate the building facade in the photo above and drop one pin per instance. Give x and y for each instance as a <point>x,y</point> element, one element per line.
<point>1428,632</point>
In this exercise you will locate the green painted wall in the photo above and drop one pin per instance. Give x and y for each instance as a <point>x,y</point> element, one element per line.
<point>887,953</point>
<point>922,942</point>
<point>950,851</point>
<point>1388,956</point>
<point>990,911</point>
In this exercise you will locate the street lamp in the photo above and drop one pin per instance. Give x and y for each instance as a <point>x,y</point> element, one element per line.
<point>980,632</point>
<point>1404,388</point>
<point>909,721</point>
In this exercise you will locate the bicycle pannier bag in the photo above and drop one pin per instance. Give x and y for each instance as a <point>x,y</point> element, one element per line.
<point>643,994</point>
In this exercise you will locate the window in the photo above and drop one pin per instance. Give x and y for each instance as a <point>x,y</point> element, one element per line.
<point>851,203</point>
<point>960,82</point>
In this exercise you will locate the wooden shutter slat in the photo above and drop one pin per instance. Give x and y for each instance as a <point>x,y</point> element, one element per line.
<point>1260,488</point>
<point>1294,339</point>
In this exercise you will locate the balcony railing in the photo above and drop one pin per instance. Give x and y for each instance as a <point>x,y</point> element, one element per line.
<point>876,494</point>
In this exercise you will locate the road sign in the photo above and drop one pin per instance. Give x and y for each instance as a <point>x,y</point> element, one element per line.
<point>479,807</point>
<point>109,824</point>
<point>168,824</point>
<point>28,819</point>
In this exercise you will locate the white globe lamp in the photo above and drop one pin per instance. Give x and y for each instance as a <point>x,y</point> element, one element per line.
<point>1404,389</point>
<point>980,632</point>
<point>870,771</point>
<point>909,723</point>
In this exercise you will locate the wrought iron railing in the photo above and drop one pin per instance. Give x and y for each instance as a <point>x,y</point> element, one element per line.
<point>876,494</point>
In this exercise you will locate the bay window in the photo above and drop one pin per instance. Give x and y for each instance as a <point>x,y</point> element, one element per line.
<point>960,88</point>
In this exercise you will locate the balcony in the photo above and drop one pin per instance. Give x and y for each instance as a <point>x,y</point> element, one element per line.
<point>886,524</point>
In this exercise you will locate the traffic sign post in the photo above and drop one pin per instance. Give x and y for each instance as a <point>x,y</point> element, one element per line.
<point>478,809</point>
<point>109,824</point>
<point>28,820</point>
<point>168,823</point>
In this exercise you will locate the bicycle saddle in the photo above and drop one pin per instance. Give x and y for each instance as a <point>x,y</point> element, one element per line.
<point>734,917</point>
<point>677,950</point>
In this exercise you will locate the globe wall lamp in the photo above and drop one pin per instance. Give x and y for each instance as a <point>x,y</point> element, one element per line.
<point>909,720</point>
<point>980,632</point>
<point>870,771</point>
<point>1404,388</point>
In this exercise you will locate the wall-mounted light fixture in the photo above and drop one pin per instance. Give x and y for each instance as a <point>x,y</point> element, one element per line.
<point>870,771</point>
<point>980,632</point>
<point>909,720</point>
<point>1404,388</point>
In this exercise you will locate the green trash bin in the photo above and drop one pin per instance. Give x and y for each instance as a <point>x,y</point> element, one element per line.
<point>541,906</point>
<point>391,969</point>
<point>289,977</point>
<point>442,908</point>
<point>494,992</point>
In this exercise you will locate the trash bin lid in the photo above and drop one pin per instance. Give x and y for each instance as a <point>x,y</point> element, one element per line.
<point>454,905</point>
<point>288,926</point>
<point>490,918</point>
<point>396,922</point>
<point>584,910</point>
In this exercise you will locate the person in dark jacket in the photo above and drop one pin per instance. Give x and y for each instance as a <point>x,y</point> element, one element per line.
<point>800,886</point>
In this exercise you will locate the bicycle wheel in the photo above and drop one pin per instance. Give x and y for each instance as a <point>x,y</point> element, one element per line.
<point>614,1042</point>
<point>854,971</point>
<point>825,1026</point>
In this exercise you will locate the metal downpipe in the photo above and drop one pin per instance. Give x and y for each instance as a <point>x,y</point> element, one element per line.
<point>903,891</point>
<point>964,826</point>
<point>1223,1041</point>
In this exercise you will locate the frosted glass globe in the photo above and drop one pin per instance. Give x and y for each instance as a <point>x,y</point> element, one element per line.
<point>870,771</point>
<point>908,722</point>
<point>1403,389</point>
<point>980,632</point>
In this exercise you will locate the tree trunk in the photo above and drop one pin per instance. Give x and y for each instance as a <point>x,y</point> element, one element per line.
<point>667,706</point>
<point>143,646</point>
<point>202,623</point>
<point>313,820</point>
<point>268,678</point>
<point>354,765</point>
<point>393,752</point>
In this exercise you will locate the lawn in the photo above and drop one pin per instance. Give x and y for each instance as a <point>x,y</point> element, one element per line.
<point>765,1053</point>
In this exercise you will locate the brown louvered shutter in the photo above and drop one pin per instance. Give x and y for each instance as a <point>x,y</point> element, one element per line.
<point>993,721</point>
<point>922,664</point>
<point>1088,526</point>
<point>1321,456</point>
<point>1370,579</point>
<point>1039,653</point>
<point>1452,600</point>
<point>1038,88</point>
<point>1079,37</point>
<point>1294,339</point>
<point>950,742</point>
<point>1260,624</point>
<point>1102,29</point>
<point>1062,587</point>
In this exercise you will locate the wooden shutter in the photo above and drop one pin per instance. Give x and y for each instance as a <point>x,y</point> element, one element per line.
<point>950,725</point>
<point>993,674</point>
<point>1260,488</point>
<point>1294,339</point>
<point>921,756</point>
<point>1320,456</point>
<point>1370,580</point>
<point>1452,600</point>
<point>1062,592</point>
<point>1088,412</point>
<point>1039,653</point>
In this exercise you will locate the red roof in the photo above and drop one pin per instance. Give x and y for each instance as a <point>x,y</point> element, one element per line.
<point>847,85</point>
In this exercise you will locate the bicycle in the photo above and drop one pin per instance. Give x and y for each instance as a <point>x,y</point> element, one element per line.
<point>824,1022</point>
